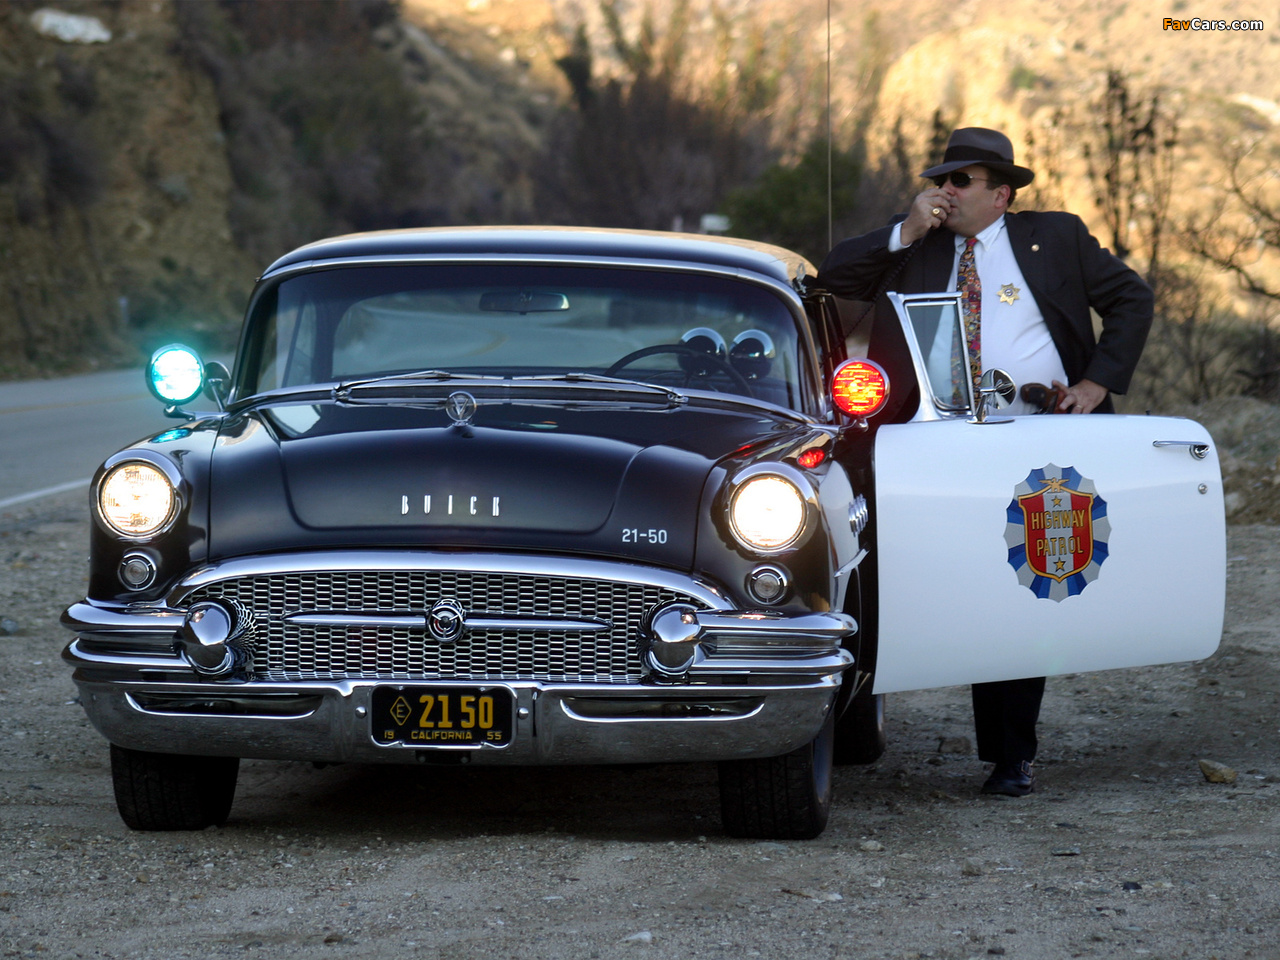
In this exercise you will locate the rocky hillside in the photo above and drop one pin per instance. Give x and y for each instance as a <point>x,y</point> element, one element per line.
<point>114,187</point>
<point>155,155</point>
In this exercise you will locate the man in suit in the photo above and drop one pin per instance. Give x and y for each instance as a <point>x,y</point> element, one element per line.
<point>1029,282</point>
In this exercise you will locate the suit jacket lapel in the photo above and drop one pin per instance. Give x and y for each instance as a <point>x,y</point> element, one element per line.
<point>1032,260</point>
<point>938,261</point>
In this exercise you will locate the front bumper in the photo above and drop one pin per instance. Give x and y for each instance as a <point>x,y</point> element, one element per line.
<point>720,683</point>
<point>554,724</point>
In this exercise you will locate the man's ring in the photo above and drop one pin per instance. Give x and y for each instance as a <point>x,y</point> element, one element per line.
<point>936,210</point>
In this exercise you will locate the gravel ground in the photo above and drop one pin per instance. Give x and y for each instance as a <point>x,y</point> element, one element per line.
<point>1126,850</point>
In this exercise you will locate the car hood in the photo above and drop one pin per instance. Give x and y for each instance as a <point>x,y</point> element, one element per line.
<point>623,482</point>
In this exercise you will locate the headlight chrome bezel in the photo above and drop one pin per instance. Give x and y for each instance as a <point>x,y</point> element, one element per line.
<point>806,498</point>
<point>170,474</point>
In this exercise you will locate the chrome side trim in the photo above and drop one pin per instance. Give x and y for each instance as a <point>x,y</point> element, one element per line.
<point>774,627</point>
<point>803,666</point>
<point>852,564</point>
<point>80,654</point>
<point>691,709</point>
<point>137,619</point>
<point>217,702</point>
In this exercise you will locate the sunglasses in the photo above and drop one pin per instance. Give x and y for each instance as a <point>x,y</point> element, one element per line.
<point>958,178</point>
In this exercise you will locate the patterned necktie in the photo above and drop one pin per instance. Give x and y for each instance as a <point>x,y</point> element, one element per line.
<point>970,289</point>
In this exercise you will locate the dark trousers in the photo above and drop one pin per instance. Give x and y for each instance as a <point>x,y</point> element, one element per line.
<point>1004,718</point>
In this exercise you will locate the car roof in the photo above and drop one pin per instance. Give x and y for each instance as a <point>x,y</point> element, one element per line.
<point>552,242</point>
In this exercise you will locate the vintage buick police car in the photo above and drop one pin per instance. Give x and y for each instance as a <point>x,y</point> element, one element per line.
<point>540,496</point>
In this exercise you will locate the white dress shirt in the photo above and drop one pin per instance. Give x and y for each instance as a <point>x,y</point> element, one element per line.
<point>1014,336</point>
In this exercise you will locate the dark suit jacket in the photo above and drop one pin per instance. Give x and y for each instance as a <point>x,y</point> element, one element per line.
<point>1066,269</point>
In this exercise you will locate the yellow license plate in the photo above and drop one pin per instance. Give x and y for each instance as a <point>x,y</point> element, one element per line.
<point>420,716</point>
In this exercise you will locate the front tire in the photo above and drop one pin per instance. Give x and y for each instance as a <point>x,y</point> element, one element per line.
<point>162,791</point>
<point>860,730</point>
<point>780,798</point>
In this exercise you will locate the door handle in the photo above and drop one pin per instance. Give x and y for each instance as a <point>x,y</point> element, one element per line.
<point>1196,448</point>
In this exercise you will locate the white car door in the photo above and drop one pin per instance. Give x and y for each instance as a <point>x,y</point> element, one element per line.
<point>1044,545</point>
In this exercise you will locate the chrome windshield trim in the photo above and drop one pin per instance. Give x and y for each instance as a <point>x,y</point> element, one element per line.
<point>781,288</point>
<point>677,264</point>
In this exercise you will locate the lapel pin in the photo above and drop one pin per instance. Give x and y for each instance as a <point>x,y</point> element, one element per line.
<point>1035,248</point>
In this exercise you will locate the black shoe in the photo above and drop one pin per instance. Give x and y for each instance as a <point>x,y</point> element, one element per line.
<point>1011,780</point>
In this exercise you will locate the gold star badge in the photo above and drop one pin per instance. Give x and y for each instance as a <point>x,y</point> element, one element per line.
<point>1009,293</point>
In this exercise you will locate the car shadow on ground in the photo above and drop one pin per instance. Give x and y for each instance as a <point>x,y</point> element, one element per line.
<point>623,802</point>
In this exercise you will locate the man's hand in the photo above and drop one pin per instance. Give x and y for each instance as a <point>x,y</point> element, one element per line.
<point>928,212</point>
<point>1082,397</point>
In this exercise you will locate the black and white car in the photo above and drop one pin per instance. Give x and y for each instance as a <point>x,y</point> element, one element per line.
<point>550,496</point>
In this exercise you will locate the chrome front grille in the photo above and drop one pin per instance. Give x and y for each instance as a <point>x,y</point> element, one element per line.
<point>291,651</point>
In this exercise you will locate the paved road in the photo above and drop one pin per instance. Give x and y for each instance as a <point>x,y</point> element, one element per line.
<point>54,433</point>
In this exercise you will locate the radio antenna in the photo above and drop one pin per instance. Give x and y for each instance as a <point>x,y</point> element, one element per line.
<point>830,201</point>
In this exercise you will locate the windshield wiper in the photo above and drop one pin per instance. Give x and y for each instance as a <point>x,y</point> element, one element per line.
<point>751,403</point>
<point>343,390</point>
<point>674,397</point>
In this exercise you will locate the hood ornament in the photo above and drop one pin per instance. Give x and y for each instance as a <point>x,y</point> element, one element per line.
<point>461,407</point>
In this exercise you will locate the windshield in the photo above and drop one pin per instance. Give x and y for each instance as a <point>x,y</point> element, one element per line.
<point>683,331</point>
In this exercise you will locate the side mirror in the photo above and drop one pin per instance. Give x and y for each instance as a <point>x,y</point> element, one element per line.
<point>217,381</point>
<point>995,389</point>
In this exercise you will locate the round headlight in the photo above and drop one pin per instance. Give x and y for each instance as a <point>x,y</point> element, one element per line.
<point>136,499</point>
<point>175,374</point>
<point>767,512</point>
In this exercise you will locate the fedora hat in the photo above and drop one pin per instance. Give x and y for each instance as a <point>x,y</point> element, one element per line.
<point>990,148</point>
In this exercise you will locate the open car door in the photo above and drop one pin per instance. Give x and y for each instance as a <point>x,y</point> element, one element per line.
<point>1042,545</point>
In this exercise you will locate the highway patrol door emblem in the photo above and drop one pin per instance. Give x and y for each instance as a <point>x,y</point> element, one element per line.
<point>1057,532</point>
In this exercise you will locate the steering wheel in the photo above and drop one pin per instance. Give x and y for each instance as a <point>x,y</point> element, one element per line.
<point>679,349</point>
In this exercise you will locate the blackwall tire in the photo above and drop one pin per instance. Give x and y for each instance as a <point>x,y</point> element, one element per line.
<point>160,791</point>
<point>779,798</point>
<point>860,730</point>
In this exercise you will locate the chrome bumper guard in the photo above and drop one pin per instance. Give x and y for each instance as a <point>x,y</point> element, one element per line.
<point>683,642</point>
<point>722,684</point>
